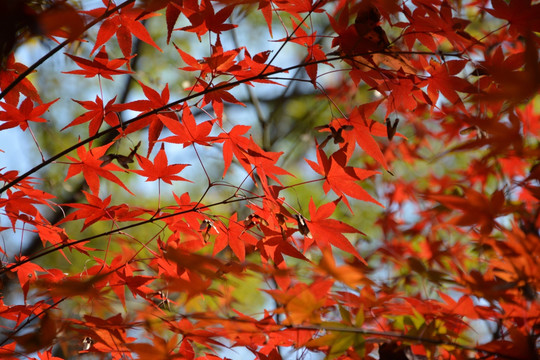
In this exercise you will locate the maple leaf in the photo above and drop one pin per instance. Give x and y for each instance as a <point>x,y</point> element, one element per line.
<point>364,36</point>
<point>351,275</point>
<point>193,64</point>
<point>517,262</point>
<point>59,285</point>
<point>219,63</point>
<point>265,164</point>
<point>8,351</point>
<point>502,136</point>
<point>20,203</point>
<point>100,66</point>
<point>51,234</point>
<point>124,23</point>
<point>513,84</point>
<point>47,355</point>
<point>478,209</point>
<point>253,67</point>
<point>160,169</point>
<point>92,169</point>
<point>42,337</point>
<point>295,8</point>
<point>97,113</point>
<point>187,132</point>
<point>195,258</point>
<point>522,15</point>
<point>314,50</point>
<point>118,275</point>
<point>406,95</point>
<point>216,97</point>
<point>160,348</point>
<point>304,302</point>
<point>205,19</point>
<point>305,307</point>
<point>110,333</point>
<point>424,22</point>
<point>231,142</point>
<point>14,116</point>
<point>330,231</point>
<point>363,131</point>
<point>172,13</point>
<point>444,80</point>
<point>8,73</point>
<point>154,121</point>
<point>234,235</point>
<point>275,244</point>
<point>61,20</point>
<point>191,273</point>
<point>340,178</point>
<point>98,209</point>
<point>249,154</point>
<point>194,223</point>
<point>27,273</point>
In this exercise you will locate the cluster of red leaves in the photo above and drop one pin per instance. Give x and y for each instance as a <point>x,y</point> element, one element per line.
<point>458,245</point>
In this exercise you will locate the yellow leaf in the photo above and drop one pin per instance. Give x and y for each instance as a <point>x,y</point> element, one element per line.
<point>304,308</point>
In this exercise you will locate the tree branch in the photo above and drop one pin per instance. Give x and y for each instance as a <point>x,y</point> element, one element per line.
<point>59,47</point>
<point>179,101</point>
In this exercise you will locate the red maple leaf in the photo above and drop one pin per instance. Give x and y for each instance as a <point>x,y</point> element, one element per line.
<point>27,273</point>
<point>155,121</point>
<point>187,132</point>
<point>340,178</point>
<point>265,7</point>
<point>360,129</point>
<point>101,65</point>
<point>14,116</point>
<point>249,154</point>
<point>295,8</point>
<point>275,244</point>
<point>60,20</point>
<point>444,79</point>
<point>234,235</point>
<point>98,209</point>
<point>265,163</point>
<point>478,209</point>
<point>118,275</point>
<point>160,169</point>
<point>205,19</point>
<point>10,71</point>
<point>522,15</point>
<point>330,231</point>
<point>364,129</point>
<point>426,21</point>
<point>97,113</point>
<point>219,63</point>
<point>18,204</point>
<point>230,145</point>
<point>52,234</point>
<point>47,355</point>
<point>174,8</point>
<point>252,67</point>
<point>124,23</point>
<point>92,169</point>
<point>216,97</point>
